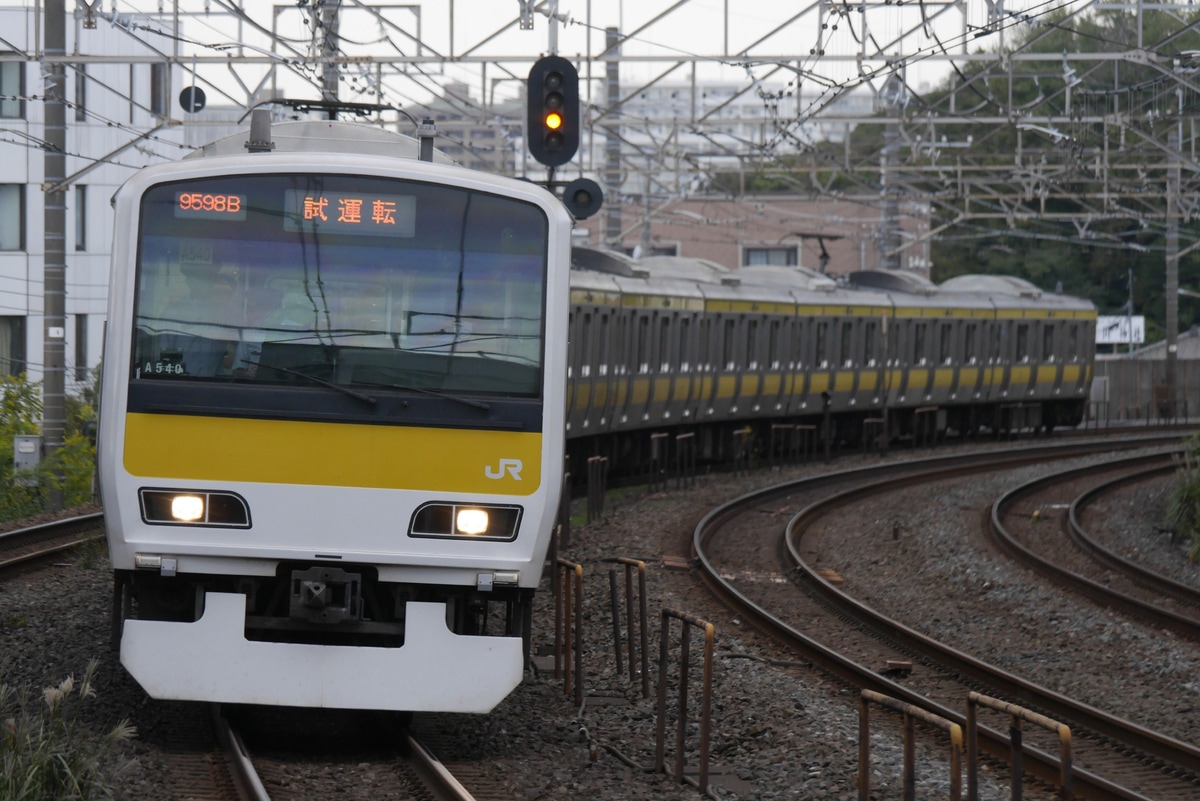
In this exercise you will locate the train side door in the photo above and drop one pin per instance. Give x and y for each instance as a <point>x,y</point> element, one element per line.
<point>796,331</point>
<point>778,372</point>
<point>1052,378</point>
<point>604,392</point>
<point>921,372</point>
<point>577,359</point>
<point>972,375</point>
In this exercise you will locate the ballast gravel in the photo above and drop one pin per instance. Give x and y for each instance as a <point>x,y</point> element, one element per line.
<point>780,729</point>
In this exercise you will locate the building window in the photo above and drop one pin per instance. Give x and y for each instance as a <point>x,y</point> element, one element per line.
<point>12,345</point>
<point>778,257</point>
<point>12,81</point>
<point>80,92</point>
<point>80,217</point>
<point>12,217</point>
<point>159,89</point>
<point>81,350</point>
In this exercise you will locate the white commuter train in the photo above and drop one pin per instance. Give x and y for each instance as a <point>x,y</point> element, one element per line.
<point>331,431</point>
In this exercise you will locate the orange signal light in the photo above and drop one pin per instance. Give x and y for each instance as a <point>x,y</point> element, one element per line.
<point>554,120</point>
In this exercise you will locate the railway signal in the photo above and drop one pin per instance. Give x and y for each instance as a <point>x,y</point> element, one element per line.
<point>552,95</point>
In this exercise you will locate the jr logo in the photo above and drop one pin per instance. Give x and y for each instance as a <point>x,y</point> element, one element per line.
<point>512,466</point>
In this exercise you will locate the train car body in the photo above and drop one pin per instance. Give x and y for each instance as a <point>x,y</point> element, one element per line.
<point>331,429</point>
<point>663,343</point>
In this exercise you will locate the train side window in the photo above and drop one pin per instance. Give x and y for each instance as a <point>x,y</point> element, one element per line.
<point>585,338</point>
<point>820,358</point>
<point>945,345</point>
<point>1073,342</point>
<point>571,319</point>
<point>1048,342</point>
<point>665,362</point>
<point>685,344</point>
<point>969,343</point>
<point>919,343</point>
<point>727,342</point>
<point>602,362</point>
<point>642,352</point>
<point>752,344</point>
<point>703,355</point>
<point>846,344</point>
<point>621,344</point>
<point>869,343</point>
<point>1022,353</point>
<point>797,342</point>
<point>773,345</point>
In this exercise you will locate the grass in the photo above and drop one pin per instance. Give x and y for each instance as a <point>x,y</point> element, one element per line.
<point>46,752</point>
<point>1183,510</point>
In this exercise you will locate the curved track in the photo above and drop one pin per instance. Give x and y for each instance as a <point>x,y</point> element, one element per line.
<point>1114,760</point>
<point>1086,566</point>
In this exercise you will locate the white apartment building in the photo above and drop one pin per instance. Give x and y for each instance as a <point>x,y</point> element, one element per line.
<point>120,117</point>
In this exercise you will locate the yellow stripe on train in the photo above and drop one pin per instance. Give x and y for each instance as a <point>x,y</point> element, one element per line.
<point>222,449</point>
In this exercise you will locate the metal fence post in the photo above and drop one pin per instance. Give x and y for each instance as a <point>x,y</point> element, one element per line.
<point>660,745</point>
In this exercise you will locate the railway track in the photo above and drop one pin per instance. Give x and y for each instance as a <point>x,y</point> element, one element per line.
<point>201,754</point>
<point>1114,759</point>
<point>23,546</point>
<point>1075,559</point>
<point>308,753</point>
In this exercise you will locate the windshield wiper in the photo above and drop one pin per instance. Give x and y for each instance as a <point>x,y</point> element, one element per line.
<point>339,387</point>
<point>435,393</point>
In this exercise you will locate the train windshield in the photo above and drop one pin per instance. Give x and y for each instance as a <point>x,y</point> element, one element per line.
<point>351,280</point>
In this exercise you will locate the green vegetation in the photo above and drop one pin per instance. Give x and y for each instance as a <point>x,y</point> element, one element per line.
<point>70,469</point>
<point>1183,510</point>
<point>47,753</point>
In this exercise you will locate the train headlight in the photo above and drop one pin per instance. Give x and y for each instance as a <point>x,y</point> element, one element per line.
<point>187,508</point>
<point>440,520</point>
<point>173,507</point>
<point>471,521</point>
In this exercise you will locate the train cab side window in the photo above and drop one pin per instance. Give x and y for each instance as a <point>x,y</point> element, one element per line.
<point>1022,354</point>
<point>1048,342</point>
<point>820,357</point>
<point>919,343</point>
<point>945,344</point>
<point>727,342</point>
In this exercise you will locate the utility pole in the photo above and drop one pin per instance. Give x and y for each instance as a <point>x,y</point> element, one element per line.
<point>611,234</point>
<point>1172,244</point>
<point>54,260</point>
<point>329,50</point>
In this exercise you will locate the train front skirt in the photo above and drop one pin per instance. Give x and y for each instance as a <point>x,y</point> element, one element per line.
<point>211,660</point>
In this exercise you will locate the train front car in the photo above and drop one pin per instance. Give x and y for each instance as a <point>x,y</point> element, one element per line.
<point>332,424</point>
